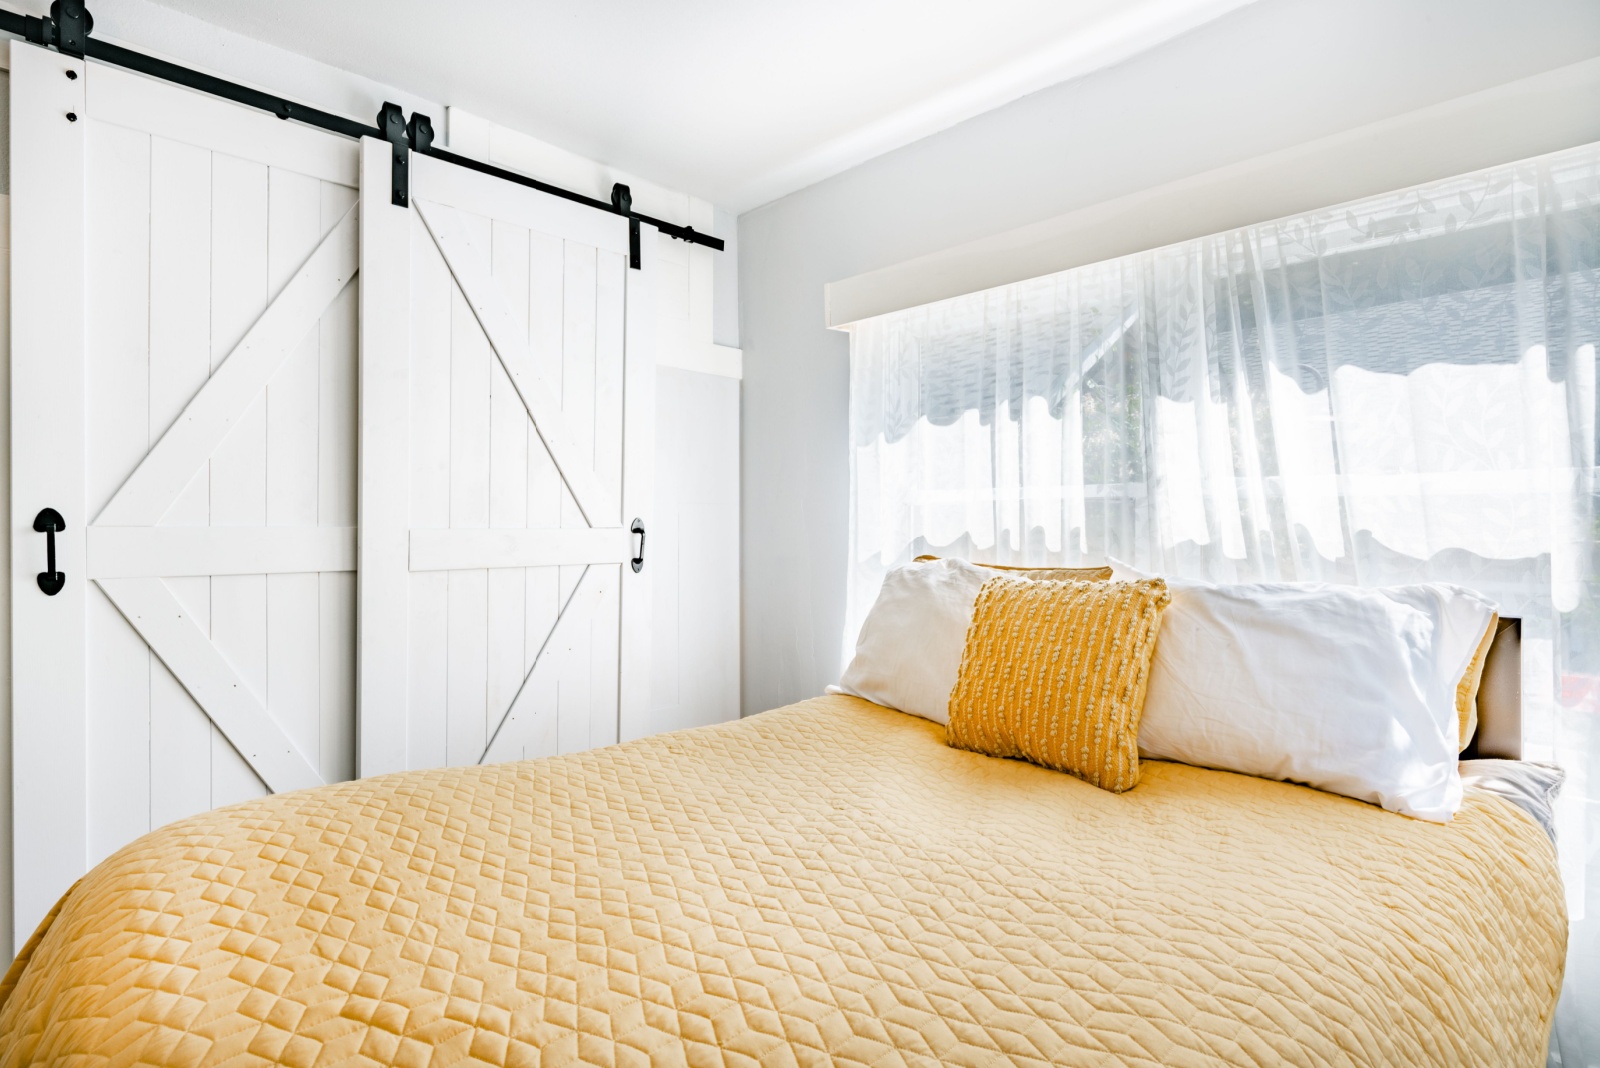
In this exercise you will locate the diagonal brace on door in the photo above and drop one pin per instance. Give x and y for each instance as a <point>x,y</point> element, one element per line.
<point>574,618</point>
<point>200,668</point>
<point>161,476</point>
<point>599,505</point>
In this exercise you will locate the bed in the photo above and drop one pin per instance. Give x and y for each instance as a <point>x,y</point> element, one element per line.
<point>823,883</point>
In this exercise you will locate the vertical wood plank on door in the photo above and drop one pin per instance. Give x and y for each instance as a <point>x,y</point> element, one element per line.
<point>180,363</point>
<point>638,488</point>
<point>118,335</point>
<point>603,654</point>
<point>547,270</point>
<point>467,668</point>
<point>336,507</point>
<point>337,397</point>
<point>577,376</point>
<point>336,638</point>
<point>609,298</point>
<point>546,304</point>
<point>293,690</point>
<point>466,693</point>
<point>50,781</point>
<point>579,311</point>
<point>432,290</point>
<point>239,282</point>
<point>575,687</point>
<point>118,331</point>
<point>508,484</point>
<point>427,645</point>
<point>508,507</point>
<point>610,307</point>
<point>386,289</point>
<point>575,691</point>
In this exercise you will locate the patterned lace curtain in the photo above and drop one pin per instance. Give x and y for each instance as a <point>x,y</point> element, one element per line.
<point>1393,390</point>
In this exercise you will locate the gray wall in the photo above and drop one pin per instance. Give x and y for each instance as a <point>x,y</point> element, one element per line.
<point>1270,76</point>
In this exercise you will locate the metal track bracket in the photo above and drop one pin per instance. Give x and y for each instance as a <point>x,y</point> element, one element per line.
<point>622,204</point>
<point>68,27</point>
<point>404,138</point>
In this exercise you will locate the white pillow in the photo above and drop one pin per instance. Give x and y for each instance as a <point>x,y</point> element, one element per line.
<point>1346,689</point>
<point>909,651</point>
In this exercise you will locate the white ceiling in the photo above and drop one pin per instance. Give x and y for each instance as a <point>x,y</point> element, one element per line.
<point>736,101</point>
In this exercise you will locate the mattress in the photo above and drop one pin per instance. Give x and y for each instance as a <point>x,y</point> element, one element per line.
<point>824,883</point>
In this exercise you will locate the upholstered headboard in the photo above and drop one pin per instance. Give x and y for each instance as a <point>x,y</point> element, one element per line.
<point>1500,697</point>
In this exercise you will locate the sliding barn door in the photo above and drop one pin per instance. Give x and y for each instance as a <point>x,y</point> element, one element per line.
<point>506,408</point>
<point>183,399</point>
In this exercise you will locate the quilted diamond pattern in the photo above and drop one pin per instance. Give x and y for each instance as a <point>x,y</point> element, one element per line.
<point>826,883</point>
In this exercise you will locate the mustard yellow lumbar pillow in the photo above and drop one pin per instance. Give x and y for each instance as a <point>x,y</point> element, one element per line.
<point>1055,673</point>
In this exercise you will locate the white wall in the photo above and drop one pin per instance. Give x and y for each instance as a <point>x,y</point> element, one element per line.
<point>1268,77</point>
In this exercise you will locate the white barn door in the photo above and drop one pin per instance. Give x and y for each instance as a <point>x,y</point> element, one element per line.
<point>184,382</point>
<point>506,436</point>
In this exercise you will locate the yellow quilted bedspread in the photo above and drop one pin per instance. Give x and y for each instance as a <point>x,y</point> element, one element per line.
<point>826,883</point>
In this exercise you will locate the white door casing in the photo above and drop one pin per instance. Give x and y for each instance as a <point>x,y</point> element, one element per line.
<point>507,393</point>
<point>184,394</point>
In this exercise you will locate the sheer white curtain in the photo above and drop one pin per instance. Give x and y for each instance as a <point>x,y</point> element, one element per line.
<point>1396,389</point>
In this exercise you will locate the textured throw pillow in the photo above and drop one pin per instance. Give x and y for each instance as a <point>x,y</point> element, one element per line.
<point>1055,673</point>
<point>910,643</point>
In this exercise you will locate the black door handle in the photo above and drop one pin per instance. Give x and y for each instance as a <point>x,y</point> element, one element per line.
<point>47,522</point>
<point>638,561</point>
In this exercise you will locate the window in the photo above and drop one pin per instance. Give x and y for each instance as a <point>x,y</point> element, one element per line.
<point>1393,390</point>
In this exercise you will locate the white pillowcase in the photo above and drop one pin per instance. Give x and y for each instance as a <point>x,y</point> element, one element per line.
<point>909,651</point>
<point>1346,689</point>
